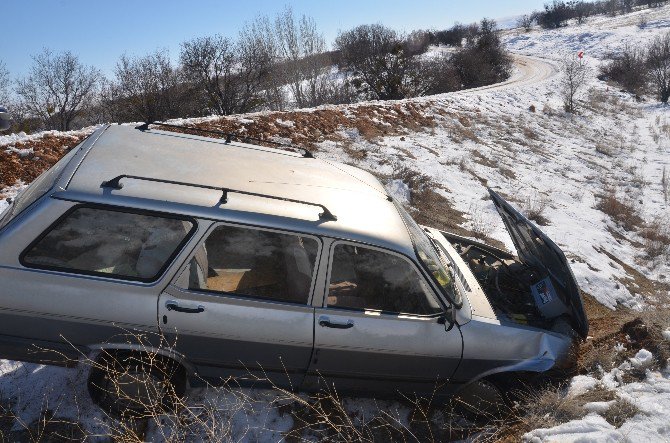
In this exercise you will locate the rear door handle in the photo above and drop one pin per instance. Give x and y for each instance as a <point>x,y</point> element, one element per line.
<point>172,305</point>
<point>326,323</point>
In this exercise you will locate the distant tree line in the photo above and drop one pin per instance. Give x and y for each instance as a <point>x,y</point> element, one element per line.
<point>276,64</point>
<point>558,12</point>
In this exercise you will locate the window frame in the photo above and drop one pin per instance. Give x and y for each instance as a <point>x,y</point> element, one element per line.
<point>232,295</point>
<point>412,264</point>
<point>127,210</point>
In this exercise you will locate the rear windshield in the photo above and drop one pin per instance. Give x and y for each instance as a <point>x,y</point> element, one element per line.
<point>40,186</point>
<point>110,242</point>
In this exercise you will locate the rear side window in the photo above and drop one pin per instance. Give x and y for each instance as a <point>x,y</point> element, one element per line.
<point>368,279</point>
<point>40,186</point>
<point>256,264</point>
<point>98,241</point>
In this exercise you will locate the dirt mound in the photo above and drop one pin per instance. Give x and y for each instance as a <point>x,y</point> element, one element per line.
<point>24,161</point>
<point>306,128</point>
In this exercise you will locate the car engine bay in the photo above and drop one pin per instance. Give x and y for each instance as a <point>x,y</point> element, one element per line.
<point>517,292</point>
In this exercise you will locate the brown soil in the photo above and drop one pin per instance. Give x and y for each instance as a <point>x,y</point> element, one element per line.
<point>47,150</point>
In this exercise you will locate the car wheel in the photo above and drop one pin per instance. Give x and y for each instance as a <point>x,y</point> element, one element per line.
<point>483,399</point>
<point>135,385</point>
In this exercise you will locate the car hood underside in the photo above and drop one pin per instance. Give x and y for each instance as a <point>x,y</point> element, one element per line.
<point>535,249</point>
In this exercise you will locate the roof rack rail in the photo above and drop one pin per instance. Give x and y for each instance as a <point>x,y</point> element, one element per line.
<point>115,183</point>
<point>230,136</point>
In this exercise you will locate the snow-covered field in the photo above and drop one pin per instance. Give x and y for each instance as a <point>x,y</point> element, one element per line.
<point>515,138</point>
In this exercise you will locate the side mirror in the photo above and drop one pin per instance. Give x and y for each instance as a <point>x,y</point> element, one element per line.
<point>5,119</point>
<point>448,319</point>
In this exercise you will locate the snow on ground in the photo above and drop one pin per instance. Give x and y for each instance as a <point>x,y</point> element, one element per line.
<point>516,139</point>
<point>651,396</point>
<point>11,193</point>
<point>6,141</point>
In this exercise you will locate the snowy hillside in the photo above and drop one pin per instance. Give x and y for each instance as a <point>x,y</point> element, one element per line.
<point>515,138</point>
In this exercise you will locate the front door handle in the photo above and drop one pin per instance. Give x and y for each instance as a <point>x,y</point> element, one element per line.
<point>172,305</point>
<point>326,323</point>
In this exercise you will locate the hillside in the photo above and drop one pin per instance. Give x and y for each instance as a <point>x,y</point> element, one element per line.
<point>595,182</point>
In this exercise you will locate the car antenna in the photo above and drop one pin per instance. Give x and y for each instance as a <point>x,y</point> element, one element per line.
<point>230,136</point>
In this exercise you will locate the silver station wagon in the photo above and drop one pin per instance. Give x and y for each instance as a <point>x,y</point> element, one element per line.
<point>269,265</point>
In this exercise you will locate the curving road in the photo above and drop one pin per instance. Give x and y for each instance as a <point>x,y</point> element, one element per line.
<point>529,71</point>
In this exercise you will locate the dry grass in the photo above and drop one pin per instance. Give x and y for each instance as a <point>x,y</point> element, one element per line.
<point>656,237</point>
<point>665,186</point>
<point>620,411</point>
<point>621,211</point>
<point>533,206</point>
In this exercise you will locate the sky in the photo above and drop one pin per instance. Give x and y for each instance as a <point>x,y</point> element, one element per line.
<point>99,32</point>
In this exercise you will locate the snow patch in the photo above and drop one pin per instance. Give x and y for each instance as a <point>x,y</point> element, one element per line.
<point>284,123</point>
<point>581,384</point>
<point>20,152</point>
<point>399,191</point>
<point>642,359</point>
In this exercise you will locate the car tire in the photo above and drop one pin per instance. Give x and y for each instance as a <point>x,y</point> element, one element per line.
<point>484,400</point>
<point>128,384</point>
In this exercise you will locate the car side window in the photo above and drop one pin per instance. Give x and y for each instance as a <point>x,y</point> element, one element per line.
<point>99,241</point>
<point>255,263</point>
<point>368,279</point>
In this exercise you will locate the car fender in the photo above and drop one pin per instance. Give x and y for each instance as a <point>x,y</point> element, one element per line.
<point>171,354</point>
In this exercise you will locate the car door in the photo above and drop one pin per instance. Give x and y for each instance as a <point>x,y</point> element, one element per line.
<point>381,327</point>
<point>241,306</point>
<point>91,277</point>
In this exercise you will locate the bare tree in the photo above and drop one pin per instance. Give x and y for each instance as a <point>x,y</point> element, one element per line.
<point>58,89</point>
<point>147,86</point>
<point>484,60</point>
<point>658,63</point>
<point>304,60</point>
<point>575,71</point>
<point>375,56</point>
<point>626,5</point>
<point>4,84</point>
<point>212,64</point>
<point>525,22</point>
<point>259,52</point>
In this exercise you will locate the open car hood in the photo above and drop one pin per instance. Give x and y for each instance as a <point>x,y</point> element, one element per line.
<point>535,249</point>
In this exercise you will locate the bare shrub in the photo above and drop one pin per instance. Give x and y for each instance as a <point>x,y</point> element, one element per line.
<point>628,69</point>
<point>484,60</point>
<point>597,359</point>
<point>622,212</point>
<point>620,411</point>
<point>526,22</point>
<point>574,78</point>
<point>656,237</point>
<point>548,408</point>
<point>658,62</point>
<point>533,206</point>
<point>145,88</point>
<point>58,89</point>
<point>481,224</point>
<point>605,149</point>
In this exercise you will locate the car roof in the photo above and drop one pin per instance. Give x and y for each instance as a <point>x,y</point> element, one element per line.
<point>363,209</point>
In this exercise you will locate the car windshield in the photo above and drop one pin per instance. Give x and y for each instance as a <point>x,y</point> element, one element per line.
<point>430,258</point>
